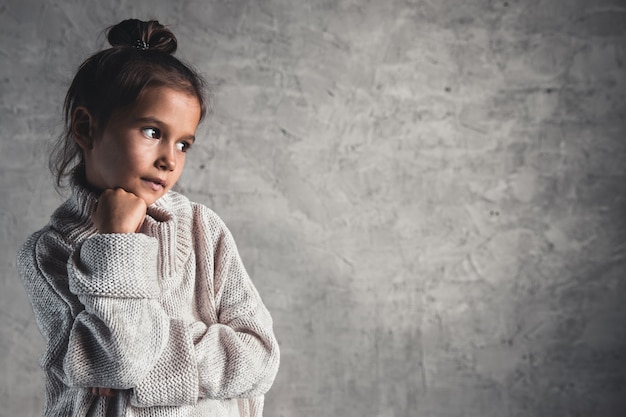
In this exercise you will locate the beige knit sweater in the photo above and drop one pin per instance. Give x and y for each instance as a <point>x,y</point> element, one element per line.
<point>168,316</point>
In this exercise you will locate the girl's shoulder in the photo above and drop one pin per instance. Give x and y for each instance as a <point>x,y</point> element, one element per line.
<point>46,249</point>
<point>66,223</point>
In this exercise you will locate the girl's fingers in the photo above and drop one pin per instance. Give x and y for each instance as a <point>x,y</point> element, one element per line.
<point>103,392</point>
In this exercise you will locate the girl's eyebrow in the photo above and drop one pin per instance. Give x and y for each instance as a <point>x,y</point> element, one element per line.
<point>158,122</point>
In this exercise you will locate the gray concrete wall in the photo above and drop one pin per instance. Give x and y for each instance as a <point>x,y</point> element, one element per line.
<point>429,194</point>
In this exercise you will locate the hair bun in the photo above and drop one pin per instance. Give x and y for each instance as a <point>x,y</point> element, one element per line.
<point>133,32</point>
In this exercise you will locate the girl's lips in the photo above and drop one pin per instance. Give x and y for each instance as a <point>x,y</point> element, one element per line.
<point>155,183</point>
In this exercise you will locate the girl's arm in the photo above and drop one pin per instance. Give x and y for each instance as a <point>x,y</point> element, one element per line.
<point>96,306</point>
<point>236,355</point>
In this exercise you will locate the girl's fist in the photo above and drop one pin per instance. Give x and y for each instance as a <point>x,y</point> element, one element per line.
<point>119,211</point>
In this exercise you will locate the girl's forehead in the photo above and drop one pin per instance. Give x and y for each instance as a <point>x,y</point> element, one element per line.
<point>166,105</point>
<point>163,100</point>
<point>155,95</point>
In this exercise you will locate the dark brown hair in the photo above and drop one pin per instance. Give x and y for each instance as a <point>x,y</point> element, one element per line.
<point>141,56</point>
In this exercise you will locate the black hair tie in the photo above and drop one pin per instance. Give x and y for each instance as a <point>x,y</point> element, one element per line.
<point>143,45</point>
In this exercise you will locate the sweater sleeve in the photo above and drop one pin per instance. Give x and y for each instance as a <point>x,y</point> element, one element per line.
<point>237,355</point>
<point>96,306</point>
<point>116,338</point>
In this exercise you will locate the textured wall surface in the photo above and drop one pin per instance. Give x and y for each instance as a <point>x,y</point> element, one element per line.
<point>429,194</point>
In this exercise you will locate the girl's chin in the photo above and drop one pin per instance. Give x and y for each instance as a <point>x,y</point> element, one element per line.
<point>150,198</point>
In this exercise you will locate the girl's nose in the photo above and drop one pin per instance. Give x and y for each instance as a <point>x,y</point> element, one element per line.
<point>167,159</point>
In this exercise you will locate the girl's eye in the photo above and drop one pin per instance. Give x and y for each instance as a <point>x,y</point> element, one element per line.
<point>183,146</point>
<point>151,132</point>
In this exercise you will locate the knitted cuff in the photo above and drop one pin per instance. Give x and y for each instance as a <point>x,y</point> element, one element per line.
<point>115,265</point>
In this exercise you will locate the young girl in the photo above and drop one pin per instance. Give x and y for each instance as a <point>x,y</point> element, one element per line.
<point>140,294</point>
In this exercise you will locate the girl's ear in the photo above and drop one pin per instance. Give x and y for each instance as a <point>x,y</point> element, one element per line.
<point>83,127</point>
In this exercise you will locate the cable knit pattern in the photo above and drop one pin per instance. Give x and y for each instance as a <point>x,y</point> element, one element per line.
<point>168,316</point>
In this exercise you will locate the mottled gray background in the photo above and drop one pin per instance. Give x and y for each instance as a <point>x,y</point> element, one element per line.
<point>429,195</point>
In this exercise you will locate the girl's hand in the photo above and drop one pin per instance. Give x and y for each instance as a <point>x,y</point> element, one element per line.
<point>119,211</point>
<point>103,392</point>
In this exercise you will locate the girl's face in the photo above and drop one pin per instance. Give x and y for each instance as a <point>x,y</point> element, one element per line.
<point>142,148</point>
